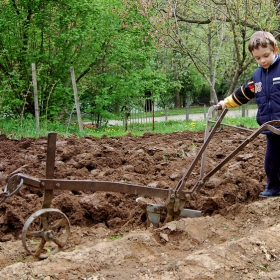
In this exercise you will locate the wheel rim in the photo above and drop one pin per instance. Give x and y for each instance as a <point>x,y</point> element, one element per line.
<point>45,232</point>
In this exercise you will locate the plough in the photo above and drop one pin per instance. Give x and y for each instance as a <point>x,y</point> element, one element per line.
<point>47,230</point>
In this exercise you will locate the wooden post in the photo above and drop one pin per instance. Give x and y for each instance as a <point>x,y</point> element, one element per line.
<point>76,99</point>
<point>153,113</point>
<point>243,107</point>
<point>188,108</point>
<point>166,113</point>
<point>34,81</point>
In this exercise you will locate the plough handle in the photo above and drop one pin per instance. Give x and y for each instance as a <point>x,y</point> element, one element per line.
<point>267,126</point>
<point>207,139</point>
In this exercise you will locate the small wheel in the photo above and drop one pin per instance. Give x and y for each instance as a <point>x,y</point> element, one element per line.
<point>45,232</point>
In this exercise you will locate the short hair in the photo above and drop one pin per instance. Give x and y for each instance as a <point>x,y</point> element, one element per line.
<point>262,39</point>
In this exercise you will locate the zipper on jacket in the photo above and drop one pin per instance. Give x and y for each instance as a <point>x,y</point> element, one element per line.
<point>267,93</point>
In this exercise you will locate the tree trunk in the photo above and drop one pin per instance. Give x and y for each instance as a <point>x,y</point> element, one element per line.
<point>213,96</point>
<point>177,99</point>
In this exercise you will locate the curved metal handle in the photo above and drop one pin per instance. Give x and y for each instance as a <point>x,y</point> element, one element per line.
<point>10,186</point>
<point>3,199</point>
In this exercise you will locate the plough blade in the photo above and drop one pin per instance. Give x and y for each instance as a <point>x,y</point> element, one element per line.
<point>155,211</point>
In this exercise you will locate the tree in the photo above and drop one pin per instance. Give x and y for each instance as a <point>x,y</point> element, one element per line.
<point>50,34</point>
<point>212,33</point>
<point>106,44</point>
<point>124,70</point>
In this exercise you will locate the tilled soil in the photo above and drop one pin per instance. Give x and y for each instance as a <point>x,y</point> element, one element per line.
<point>237,235</point>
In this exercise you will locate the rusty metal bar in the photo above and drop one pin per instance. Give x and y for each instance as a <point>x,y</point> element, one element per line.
<point>50,163</point>
<point>60,184</point>
<point>27,180</point>
<point>185,176</point>
<point>234,126</point>
<point>206,134</point>
<point>105,186</point>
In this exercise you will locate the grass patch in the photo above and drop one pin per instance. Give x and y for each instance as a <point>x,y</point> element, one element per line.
<point>27,128</point>
<point>116,237</point>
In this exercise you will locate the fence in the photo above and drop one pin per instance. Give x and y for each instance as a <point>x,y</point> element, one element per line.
<point>146,120</point>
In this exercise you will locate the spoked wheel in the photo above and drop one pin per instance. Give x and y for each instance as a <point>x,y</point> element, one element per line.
<point>45,232</point>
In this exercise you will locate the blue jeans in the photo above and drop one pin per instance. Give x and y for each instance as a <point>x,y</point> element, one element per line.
<point>272,161</point>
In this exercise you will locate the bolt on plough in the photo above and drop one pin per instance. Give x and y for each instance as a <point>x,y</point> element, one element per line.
<point>47,230</point>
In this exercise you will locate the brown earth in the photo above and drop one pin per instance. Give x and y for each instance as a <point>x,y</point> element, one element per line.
<point>236,237</point>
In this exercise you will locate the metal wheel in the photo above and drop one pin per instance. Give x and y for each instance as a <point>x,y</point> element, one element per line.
<point>45,232</point>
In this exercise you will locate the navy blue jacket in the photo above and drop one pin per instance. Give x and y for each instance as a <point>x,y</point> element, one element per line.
<point>267,92</point>
<point>265,86</point>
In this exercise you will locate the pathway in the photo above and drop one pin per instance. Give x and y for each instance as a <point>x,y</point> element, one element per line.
<point>194,117</point>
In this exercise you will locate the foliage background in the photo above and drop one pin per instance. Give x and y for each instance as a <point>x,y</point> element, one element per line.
<point>124,52</point>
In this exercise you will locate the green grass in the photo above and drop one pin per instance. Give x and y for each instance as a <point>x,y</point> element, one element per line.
<point>116,237</point>
<point>14,129</point>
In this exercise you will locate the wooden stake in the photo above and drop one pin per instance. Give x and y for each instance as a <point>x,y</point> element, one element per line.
<point>76,99</point>
<point>34,81</point>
